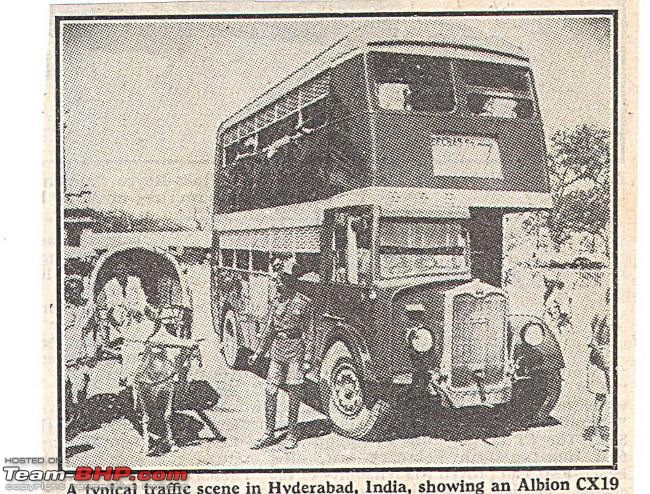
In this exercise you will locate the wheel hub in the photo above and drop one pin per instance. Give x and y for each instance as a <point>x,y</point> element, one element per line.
<point>348,397</point>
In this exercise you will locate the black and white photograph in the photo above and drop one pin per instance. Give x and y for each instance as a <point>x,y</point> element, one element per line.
<point>328,241</point>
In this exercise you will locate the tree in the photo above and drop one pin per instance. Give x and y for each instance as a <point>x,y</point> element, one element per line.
<point>579,167</point>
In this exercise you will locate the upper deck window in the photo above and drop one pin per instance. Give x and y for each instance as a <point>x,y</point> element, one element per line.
<point>416,83</point>
<point>496,90</point>
<point>300,111</point>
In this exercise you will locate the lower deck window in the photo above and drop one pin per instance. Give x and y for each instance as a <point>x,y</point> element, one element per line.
<point>261,261</point>
<point>243,259</point>
<point>227,258</point>
<point>307,266</point>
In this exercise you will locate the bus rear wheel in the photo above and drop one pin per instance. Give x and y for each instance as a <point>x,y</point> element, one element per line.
<point>231,348</point>
<point>351,407</point>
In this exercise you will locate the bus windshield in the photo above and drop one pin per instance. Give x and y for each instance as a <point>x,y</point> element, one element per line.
<point>409,247</point>
<point>496,90</point>
<point>412,82</point>
<point>420,83</point>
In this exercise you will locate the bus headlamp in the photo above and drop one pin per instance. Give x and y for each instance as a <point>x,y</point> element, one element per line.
<point>421,339</point>
<point>533,334</point>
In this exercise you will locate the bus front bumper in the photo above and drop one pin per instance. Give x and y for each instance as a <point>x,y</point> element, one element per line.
<point>471,396</point>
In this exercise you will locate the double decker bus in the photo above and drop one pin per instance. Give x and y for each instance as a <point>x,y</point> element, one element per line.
<point>384,167</point>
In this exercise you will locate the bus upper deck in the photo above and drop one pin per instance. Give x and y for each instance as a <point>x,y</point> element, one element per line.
<point>386,112</point>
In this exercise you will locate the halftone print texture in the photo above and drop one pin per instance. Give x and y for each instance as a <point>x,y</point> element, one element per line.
<point>412,226</point>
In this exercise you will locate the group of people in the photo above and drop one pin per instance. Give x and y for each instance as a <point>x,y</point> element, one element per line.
<point>559,312</point>
<point>118,325</point>
<point>121,312</point>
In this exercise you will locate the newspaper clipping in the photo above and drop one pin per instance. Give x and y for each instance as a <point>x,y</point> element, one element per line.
<point>339,248</point>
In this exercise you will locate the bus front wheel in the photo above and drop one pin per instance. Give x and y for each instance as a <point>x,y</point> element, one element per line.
<point>231,348</point>
<point>534,399</point>
<point>351,407</point>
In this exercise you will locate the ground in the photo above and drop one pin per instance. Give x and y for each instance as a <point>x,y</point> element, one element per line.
<point>239,416</point>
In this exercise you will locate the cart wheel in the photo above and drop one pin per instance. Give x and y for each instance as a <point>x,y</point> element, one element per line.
<point>231,348</point>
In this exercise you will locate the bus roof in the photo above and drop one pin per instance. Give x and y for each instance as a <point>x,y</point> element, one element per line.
<point>462,40</point>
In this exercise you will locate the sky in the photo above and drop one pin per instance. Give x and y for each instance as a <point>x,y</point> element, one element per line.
<point>142,101</point>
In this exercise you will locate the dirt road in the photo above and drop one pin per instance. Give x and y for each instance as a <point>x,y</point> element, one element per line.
<point>239,416</point>
<point>463,441</point>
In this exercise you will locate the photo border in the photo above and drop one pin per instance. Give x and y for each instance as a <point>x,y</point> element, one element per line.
<point>613,13</point>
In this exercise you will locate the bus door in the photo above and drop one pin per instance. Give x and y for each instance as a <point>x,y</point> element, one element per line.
<point>262,293</point>
<point>347,259</point>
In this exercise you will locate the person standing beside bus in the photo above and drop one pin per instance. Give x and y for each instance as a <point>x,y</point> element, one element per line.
<point>78,347</point>
<point>289,337</point>
<point>598,375</point>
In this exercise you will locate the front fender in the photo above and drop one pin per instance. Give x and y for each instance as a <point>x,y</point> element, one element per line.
<point>547,356</point>
<point>350,336</point>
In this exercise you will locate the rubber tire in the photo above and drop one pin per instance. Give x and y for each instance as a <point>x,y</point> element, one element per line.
<point>534,399</point>
<point>231,347</point>
<point>372,416</point>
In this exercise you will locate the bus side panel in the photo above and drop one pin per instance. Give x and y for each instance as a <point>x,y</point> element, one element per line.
<point>349,154</point>
<point>348,127</point>
<point>348,89</point>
